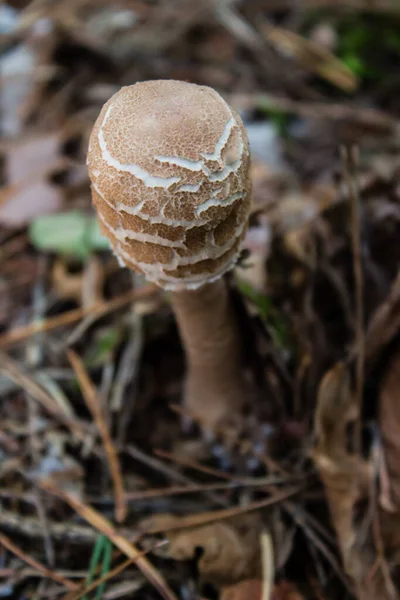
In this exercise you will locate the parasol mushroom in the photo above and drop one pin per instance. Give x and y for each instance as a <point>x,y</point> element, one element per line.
<point>169,165</point>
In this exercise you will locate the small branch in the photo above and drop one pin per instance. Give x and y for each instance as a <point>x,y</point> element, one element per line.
<point>7,543</point>
<point>67,318</point>
<point>15,373</point>
<point>92,402</point>
<point>90,515</point>
<point>206,518</point>
<point>349,157</point>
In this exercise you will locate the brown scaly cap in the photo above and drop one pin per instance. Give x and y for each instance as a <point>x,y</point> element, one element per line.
<point>169,164</point>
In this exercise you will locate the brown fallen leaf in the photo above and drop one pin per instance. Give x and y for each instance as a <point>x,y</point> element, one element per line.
<point>286,591</point>
<point>252,589</point>
<point>29,192</point>
<point>85,287</point>
<point>230,549</point>
<point>389,420</point>
<point>312,56</point>
<point>349,480</point>
<point>66,285</point>
<point>384,325</point>
<point>249,589</point>
<point>258,240</point>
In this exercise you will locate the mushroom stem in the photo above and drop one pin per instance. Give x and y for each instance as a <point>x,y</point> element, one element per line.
<point>215,387</point>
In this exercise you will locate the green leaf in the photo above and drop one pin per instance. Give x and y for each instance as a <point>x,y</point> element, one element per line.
<point>73,233</point>
<point>355,64</point>
<point>268,313</point>
<point>104,345</point>
<point>262,302</point>
<point>278,118</point>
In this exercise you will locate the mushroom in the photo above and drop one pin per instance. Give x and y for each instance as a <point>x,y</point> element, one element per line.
<point>169,165</point>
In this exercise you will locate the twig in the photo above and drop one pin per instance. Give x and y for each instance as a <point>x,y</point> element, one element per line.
<point>181,460</point>
<point>31,528</point>
<point>370,118</point>
<point>190,489</point>
<point>99,310</point>
<point>106,528</point>
<point>34,356</point>
<point>92,401</point>
<point>318,543</point>
<point>217,515</point>
<point>7,543</point>
<point>14,372</point>
<point>159,466</point>
<point>116,571</point>
<point>128,370</point>
<point>349,155</point>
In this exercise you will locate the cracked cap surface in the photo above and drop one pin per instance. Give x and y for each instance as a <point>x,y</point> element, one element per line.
<point>169,165</point>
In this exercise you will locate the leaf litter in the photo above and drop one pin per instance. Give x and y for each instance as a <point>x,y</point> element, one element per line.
<point>304,503</point>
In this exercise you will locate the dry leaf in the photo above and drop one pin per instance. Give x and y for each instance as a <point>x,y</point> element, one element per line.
<point>258,241</point>
<point>252,589</point>
<point>230,550</point>
<point>29,193</point>
<point>66,285</point>
<point>286,591</point>
<point>85,287</point>
<point>346,477</point>
<point>348,480</point>
<point>384,324</point>
<point>312,56</point>
<point>389,420</point>
<point>249,589</point>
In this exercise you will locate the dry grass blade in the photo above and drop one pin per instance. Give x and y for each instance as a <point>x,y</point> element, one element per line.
<point>7,543</point>
<point>370,119</point>
<point>180,460</point>
<point>106,528</point>
<point>268,567</point>
<point>67,318</point>
<point>63,532</point>
<point>350,165</point>
<point>312,56</point>
<point>92,401</point>
<point>14,372</point>
<point>110,575</point>
<point>217,515</point>
<point>204,487</point>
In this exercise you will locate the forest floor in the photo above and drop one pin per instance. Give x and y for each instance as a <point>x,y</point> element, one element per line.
<point>105,492</point>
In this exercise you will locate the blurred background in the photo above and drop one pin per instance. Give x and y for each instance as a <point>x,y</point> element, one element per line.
<point>317,83</point>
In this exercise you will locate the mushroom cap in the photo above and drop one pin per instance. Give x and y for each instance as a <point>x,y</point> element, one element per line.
<point>169,165</point>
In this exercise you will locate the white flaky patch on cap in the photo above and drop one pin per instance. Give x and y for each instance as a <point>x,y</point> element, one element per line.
<point>169,165</point>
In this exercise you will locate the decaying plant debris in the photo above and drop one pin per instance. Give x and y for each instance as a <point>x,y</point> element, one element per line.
<point>105,490</point>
